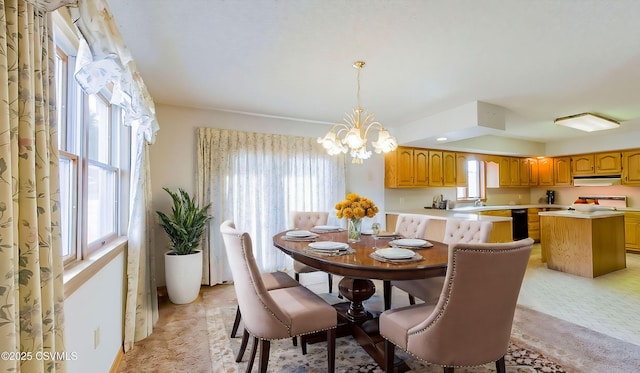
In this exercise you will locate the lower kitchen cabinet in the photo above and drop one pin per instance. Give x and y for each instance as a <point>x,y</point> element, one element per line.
<point>533,223</point>
<point>632,231</point>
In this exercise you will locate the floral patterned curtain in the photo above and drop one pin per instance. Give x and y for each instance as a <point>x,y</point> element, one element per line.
<point>31,284</point>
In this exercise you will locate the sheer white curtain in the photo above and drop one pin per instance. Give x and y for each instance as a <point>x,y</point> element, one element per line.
<point>255,179</point>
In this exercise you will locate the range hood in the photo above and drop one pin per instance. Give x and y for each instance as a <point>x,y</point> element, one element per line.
<point>596,180</point>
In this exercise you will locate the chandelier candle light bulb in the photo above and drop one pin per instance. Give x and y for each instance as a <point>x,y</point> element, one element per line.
<point>353,136</point>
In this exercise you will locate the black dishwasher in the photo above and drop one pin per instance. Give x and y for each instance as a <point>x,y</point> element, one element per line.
<point>520,224</point>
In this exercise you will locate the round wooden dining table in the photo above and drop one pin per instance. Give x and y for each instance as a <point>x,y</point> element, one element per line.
<point>358,269</point>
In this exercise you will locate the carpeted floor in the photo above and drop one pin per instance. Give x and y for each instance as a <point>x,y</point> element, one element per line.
<point>195,338</point>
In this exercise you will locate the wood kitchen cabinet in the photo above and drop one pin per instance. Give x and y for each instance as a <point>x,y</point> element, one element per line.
<point>631,167</point>
<point>562,171</point>
<point>632,231</point>
<point>449,169</point>
<point>461,169</point>
<point>505,171</point>
<point>435,168</point>
<point>533,223</point>
<point>442,168</point>
<point>525,171</point>
<point>406,168</point>
<point>608,163</point>
<point>509,171</point>
<point>545,171</point>
<point>533,172</point>
<point>583,164</point>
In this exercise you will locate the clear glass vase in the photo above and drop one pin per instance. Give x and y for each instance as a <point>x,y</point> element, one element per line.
<point>354,229</point>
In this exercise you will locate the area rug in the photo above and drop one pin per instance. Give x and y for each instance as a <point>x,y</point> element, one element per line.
<point>350,357</point>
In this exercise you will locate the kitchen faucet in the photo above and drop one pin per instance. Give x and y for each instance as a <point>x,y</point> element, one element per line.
<point>478,202</point>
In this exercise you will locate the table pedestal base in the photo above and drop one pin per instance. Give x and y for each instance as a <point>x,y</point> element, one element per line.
<point>357,291</point>
<point>367,334</point>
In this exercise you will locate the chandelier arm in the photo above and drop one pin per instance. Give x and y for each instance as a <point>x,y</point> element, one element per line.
<point>342,127</point>
<point>370,125</point>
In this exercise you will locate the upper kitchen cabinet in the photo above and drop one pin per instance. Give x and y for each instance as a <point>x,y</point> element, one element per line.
<point>583,164</point>
<point>608,163</point>
<point>436,170</point>
<point>406,168</point>
<point>545,171</point>
<point>631,167</point>
<point>562,171</point>
<point>461,169</point>
<point>525,171</point>
<point>510,172</point>
<point>534,172</point>
<point>442,168</point>
<point>449,169</point>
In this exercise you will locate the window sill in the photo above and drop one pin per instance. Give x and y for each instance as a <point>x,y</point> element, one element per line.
<point>79,273</point>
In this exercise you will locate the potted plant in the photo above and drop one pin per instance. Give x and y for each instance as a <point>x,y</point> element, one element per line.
<point>183,263</point>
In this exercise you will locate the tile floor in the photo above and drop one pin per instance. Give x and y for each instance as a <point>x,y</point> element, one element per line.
<point>609,304</point>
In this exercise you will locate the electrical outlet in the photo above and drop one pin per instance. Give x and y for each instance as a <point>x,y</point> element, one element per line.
<point>96,338</point>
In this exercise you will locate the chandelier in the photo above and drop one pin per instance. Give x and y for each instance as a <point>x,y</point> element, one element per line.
<point>352,134</point>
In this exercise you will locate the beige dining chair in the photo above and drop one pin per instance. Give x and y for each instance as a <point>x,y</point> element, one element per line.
<point>409,226</point>
<point>471,323</point>
<point>456,231</point>
<point>274,314</point>
<point>412,225</point>
<point>272,281</point>
<point>306,220</point>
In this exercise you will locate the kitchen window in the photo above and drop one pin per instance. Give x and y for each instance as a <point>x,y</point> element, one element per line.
<point>476,185</point>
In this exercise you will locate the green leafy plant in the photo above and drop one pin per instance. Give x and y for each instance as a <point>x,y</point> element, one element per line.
<point>186,224</point>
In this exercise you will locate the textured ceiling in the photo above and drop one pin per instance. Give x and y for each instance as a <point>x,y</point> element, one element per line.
<point>534,60</point>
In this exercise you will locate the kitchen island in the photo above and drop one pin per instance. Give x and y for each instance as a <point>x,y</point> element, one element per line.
<point>587,244</point>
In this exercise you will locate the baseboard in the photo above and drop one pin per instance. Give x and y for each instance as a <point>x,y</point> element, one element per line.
<point>116,362</point>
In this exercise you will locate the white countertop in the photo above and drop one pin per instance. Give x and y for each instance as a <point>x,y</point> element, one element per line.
<point>507,207</point>
<point>582,214</point>
<point>445,214</point>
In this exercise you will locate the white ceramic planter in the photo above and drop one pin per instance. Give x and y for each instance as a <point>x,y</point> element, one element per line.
<point>183,276</point>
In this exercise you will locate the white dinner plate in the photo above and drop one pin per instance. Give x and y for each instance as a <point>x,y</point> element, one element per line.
<point>395,253</point>
<point>326,227</point>
<point>328,245</point>
<point>300,234</point>
<point>409,242</point>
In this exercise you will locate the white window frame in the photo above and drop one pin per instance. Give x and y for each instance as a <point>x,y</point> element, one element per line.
<point>73,148</point>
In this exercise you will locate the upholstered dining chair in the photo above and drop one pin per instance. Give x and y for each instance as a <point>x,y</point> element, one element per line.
<point>274,314</point>
<point>471,322</point>
<point>410,226</point>
<point>272,281</point>
<point>455,231</point>
<point>307,220</point>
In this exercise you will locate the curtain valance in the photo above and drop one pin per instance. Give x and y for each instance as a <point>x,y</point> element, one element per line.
<point>103,58</point>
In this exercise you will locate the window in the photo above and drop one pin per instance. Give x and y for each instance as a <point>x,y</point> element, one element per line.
<point>475,188</point>
<point>94,148</point>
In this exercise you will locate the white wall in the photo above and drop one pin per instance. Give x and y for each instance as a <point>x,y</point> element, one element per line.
<point>97,304</point>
